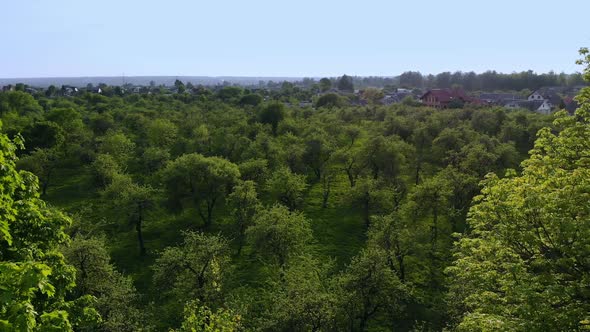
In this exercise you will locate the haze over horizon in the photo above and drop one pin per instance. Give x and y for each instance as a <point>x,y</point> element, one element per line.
<point>264,38</point>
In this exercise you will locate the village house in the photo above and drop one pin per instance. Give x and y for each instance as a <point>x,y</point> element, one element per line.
<point>443,98</point>
<point>499,98</point>
<point>540,106</point>
<point>535,96</point>
<point>395,97</point>
<point>30,90</point>
<point>550,98</point>
<point>68,90</point>
<point>8,87</point>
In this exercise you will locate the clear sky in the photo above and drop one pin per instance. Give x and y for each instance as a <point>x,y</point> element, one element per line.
<point>44,38</point>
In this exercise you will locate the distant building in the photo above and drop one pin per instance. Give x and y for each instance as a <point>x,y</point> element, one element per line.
<point>550,98</point>
<point>499,98</point>
<point>396,97</point>
<point>68,90</point>
<point>443,98</point>
<point>540,106</point>
<point>535,96</point>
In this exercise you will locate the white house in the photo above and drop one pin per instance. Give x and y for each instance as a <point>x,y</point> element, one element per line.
<point>535,96</point>
<point>545,107</point>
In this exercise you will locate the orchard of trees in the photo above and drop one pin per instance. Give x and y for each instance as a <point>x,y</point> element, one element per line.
<point>223,211</point>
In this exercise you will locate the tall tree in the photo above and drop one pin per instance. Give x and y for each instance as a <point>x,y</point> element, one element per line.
<point>524,265</point>
<point>134,199</point>
<point>117,300</point>
<point>43,163</point>
<point>367,288</point>
<point>195,269</point>
<point>272,114</point>
<point>287,188</point>
<point>245,205</point>
<point>199,317</point>
<point>372,196</point>
<point>345,83</point>
<point>325,84</point>
<point>204,181</point>
<point>35,280</point>
<point>279,234</point>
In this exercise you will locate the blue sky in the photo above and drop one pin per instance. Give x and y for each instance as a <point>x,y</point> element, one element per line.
<point>42,38</point>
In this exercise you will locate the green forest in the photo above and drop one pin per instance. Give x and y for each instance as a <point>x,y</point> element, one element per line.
<point>231,210</point>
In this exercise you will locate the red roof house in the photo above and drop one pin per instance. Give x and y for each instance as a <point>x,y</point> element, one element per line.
<point>442,98</point>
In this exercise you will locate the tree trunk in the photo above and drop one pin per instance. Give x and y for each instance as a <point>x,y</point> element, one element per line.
<point>402,268</point>
<point>418,169</point>
<point>45,183</point>
<point>375,170</point>
<point>318,172</point>
<point>363,321</point>
<point>208,217</point>
<point>326,193</point>
<point>138,225</point>
<point>351,177</point>
<point>366,210</point>
<point>241,239</point>
<point>44,188</point>
<point>434,228</point>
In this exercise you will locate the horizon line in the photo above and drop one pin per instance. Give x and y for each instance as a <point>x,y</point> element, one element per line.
<point>289,76</point>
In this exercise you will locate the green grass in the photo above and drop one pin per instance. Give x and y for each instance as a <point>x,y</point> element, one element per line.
<point>70,188</point>
<point>339,229</point>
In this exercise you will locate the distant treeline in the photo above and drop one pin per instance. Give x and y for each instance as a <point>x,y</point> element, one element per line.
<point>471,81</point>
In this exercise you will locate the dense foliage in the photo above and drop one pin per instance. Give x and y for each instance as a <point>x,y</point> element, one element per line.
<point>36,283</point>
<point>225,212</point>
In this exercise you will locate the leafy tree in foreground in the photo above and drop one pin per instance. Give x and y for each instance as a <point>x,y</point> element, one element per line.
<point>368,287</point>
<point>195,269</point>
<point>254,169</point>
<point>525,264</point>
<point>245,203</point>
<point>372,196</point>
<point>352,162</point>
<point>119,146</point>
<point>393,235</point>
<point>161,133</point>
<point>202,180</point>
<point>287,187</point>
<point>318,150</point>
<point>105,169</point>
<point>303,300</point>
<point>41,162</point>
<point>116,296</point>
<point>280,234</point>
<point>134,199</point>
<point>198,317</point>
<point>35,280</point>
